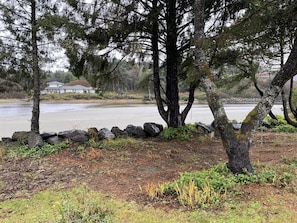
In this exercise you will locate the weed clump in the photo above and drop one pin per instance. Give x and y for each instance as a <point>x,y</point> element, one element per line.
<point>83,207</point>
<point>24,151</point>
<point>209,188</point>
<point>182,132</point>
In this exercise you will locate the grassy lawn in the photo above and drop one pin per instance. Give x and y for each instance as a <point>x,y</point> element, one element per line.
<point>81,204</point>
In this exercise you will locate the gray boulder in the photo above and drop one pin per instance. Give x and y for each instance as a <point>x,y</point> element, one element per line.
<point>7,140</point>
<point>35,140</point>
<point>79,136</point>
<point>20,137</point>
<point>47,135</point>
<point>135,131</point>
<point>119,133</point>
<point>203,128</point>
<point>104,133</point>
<point>53,140</point>
<point>152,129</point>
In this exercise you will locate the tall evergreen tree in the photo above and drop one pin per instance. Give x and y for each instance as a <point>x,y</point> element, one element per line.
<point>136,28</point>
<point>35,69</point>
<point>24,32</point>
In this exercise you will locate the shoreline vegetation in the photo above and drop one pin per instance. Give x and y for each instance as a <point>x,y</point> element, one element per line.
<point>113,98</point>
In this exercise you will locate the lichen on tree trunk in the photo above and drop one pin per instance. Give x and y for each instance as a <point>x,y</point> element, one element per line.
<point>237,148</point>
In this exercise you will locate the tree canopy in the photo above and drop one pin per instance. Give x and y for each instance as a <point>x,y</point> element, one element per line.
<point>25,38</point>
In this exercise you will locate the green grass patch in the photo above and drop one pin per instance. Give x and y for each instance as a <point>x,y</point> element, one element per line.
<point>24,151</point>
<point>211,187</point>
<point>81,204</point>
<point>77,205</point>
<point>121,143</point>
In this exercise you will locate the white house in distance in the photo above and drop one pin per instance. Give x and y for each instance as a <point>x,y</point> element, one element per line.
<point>78,86</point>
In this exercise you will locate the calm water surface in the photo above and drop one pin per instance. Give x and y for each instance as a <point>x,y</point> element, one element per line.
<point>25,108</point>
<point>61,117</point>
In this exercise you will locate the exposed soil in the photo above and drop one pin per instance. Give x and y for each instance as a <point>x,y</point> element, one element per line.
<point>121,172</point>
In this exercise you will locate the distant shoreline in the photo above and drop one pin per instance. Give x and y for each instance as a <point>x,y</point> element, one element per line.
<point>116,101</point>
<point>83,101</point>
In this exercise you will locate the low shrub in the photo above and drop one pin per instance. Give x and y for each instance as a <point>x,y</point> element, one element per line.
<point>280,125</point>
<point>285,128</point>
<point>182,132</point>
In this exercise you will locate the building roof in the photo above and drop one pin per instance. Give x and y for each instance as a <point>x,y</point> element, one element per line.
<point>75,87</point>
<point>78,85</point>
<point>55,83</point>
<point>78,82</point>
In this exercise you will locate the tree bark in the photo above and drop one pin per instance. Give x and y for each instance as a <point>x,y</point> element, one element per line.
<point>172,92</point>
<point>286,112</point>
<point>237,149</point>
<point>189,104</point>
<point>36,72</point>
<point>292,109</point>
<point>155,50</point>
<point>261,94</point>
<point>171,115</point>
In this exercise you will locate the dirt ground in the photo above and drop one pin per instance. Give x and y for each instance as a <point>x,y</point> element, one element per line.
<point>121,172</point>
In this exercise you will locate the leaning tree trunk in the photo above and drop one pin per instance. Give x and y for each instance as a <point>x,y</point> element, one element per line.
<point>237,149</point>
<point>36,72</point>
<point>286,112</point>
<point>237,145</point>
<point>261,94</point>
<point>292,109</point>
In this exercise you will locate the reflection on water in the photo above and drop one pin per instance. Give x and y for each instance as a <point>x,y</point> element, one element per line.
<point>25,108</point>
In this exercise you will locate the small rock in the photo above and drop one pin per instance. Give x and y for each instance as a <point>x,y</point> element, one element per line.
<point>135,131</point>
<point>204,128</point>
<point>104,133</point>
<point>7,140</point>
<point>54,140</point>
<point>152,129</point>
<point>35,140</point>
<point>119,133</point>
<point>46,135</point>
<point>79,136</point>
<point>21,137</point>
